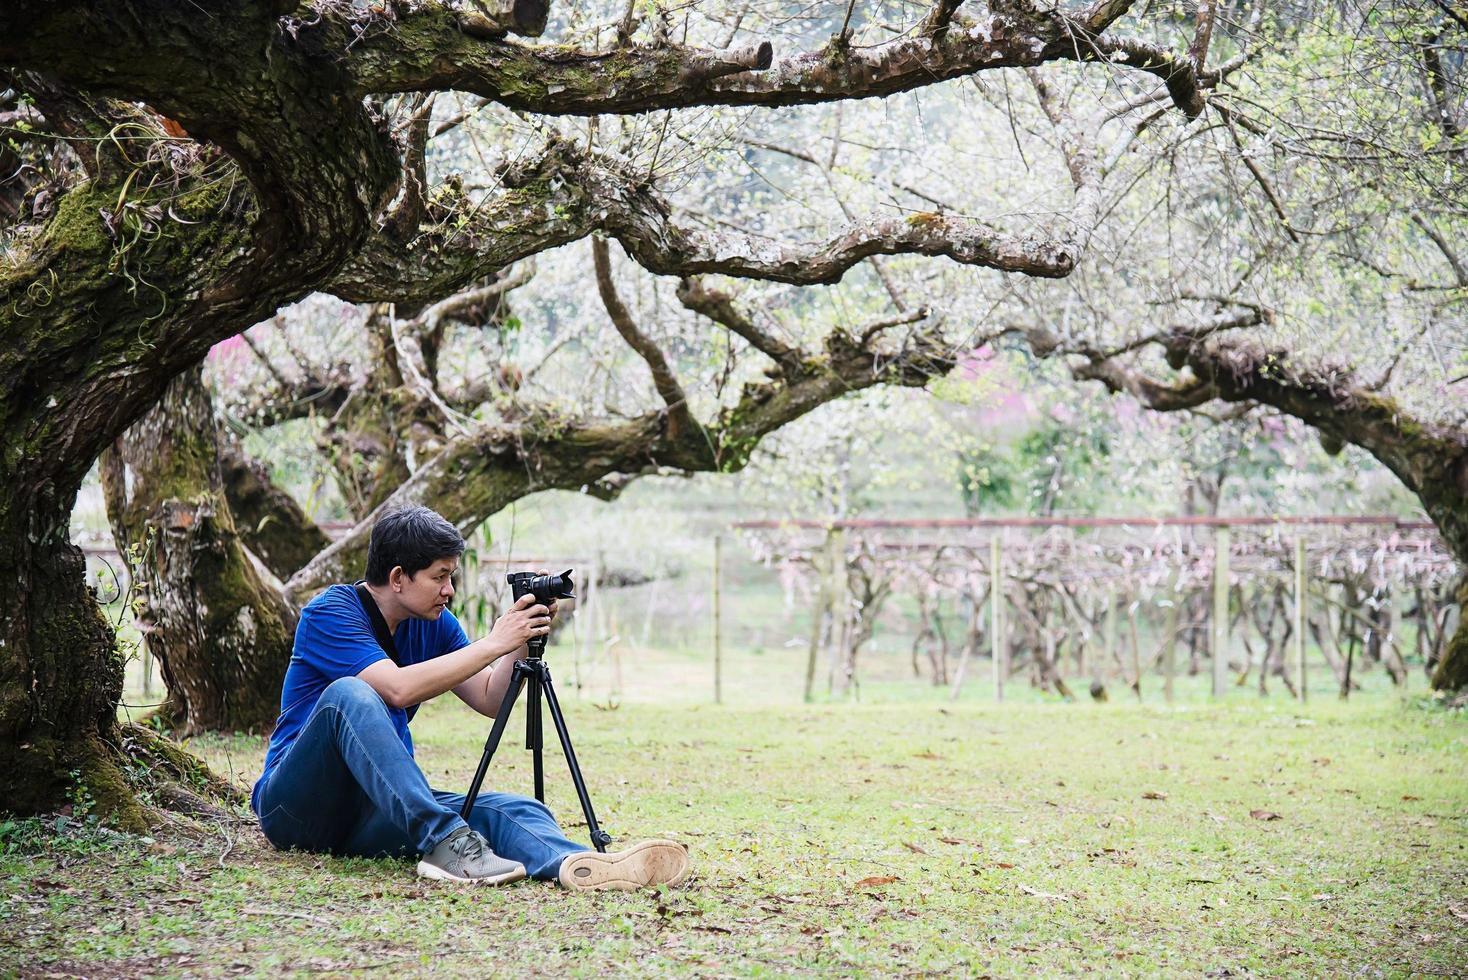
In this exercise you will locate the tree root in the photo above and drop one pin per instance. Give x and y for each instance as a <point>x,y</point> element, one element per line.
<point>161,771</point>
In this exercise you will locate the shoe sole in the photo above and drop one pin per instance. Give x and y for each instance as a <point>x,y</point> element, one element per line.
<point>648,863</point>
<point>434,872</point>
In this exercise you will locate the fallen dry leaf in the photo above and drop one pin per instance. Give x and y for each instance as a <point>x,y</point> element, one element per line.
<point>1002,864</point>
<point>1263,815</point>
<point>1153,794</point>
<point>913,848</point>
<point>875,880</point>
<point>1409,796</point>
<point>1039,894</point>
<point>927,755</point>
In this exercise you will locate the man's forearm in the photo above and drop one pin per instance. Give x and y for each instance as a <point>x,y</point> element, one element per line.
<point>401,687</point>
<point>497,682</point>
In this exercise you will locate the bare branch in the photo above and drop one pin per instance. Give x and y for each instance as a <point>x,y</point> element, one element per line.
<point>1259,177</point>
<point>1182,82</point>
<point>1205,11</point>
<point>1080,160</point>
<point>1103,13</point>
<point>408,215</point>
<point>471,301</point>
<point>265,362</point>
<point>663,377</point>
<point>720,307</point>
<point>935,24</point>
<point>1460,272</point>
<point>1437,85</point>
<point>1155,395</point>
<point>415,374</point>
<point>870,331</point>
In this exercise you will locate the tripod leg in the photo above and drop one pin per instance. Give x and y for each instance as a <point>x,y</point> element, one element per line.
<point>490,744</point>
<point>599,838</point>
<point>535,734</point>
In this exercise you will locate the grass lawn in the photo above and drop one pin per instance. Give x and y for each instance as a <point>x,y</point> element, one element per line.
<point>955,839</point>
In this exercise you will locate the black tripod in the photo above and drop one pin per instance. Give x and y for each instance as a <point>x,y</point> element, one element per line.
<point>534,670</point>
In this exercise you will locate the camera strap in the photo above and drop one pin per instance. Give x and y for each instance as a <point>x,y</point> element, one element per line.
<point>379,625</point>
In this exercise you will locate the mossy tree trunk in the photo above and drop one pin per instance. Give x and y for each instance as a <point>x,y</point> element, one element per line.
<point>60,671</point>
<point>221,636</point>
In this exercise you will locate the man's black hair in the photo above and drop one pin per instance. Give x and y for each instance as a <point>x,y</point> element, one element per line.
<point>414,537</point>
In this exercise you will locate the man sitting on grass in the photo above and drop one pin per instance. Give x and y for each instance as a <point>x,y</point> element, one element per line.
<point>339,774</point>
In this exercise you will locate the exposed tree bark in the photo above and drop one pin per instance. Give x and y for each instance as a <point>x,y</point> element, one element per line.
<point>222,638</point>
<point>113,299</point>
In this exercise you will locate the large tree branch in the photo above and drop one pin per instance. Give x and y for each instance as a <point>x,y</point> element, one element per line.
<point>566,194</point>
<point>426,51</point>
<point>1431,460</point>
<point>1183,83</point>
<point>485,470</point>
<point>1160,397</point>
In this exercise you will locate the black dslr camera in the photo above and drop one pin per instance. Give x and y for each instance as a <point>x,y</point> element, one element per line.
<point>544,588</point>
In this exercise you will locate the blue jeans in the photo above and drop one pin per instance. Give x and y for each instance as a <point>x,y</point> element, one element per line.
<point>348,785</point>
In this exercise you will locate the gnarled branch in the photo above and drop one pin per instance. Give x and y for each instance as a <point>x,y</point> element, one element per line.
<point>426,51</point>
<point>482,471</point>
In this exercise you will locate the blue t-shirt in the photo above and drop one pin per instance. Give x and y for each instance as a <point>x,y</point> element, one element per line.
<point>334,640</point>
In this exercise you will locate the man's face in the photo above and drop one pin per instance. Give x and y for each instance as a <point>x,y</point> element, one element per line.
<point>426,595</point>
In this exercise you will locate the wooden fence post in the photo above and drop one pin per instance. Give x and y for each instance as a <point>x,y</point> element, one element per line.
<point>588,614</point>
<point>1108,633</point>
<point>996,615</point>
<point>1299,631</point>
<point>1220,611</point>
<point>817,615</point>
<point>1169,639</point>
<point>718,624</point>
<point>836,558</point>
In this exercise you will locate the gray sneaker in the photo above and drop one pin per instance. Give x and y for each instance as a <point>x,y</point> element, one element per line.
<point>465,856</point>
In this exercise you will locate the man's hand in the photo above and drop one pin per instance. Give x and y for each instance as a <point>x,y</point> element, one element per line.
<point>523,621</point>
